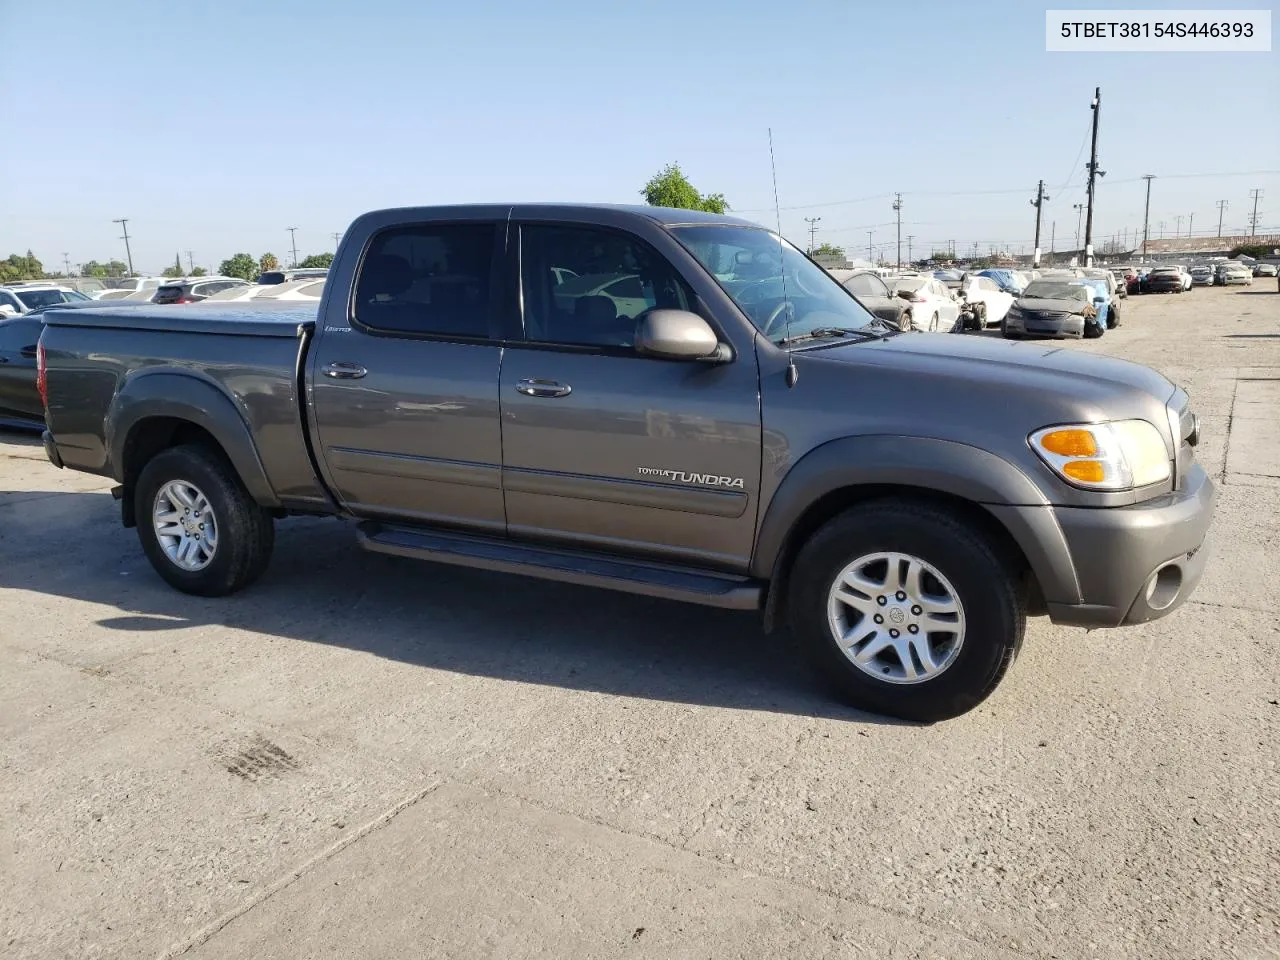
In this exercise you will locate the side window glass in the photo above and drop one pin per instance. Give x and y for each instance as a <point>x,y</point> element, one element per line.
<point>428,279</point>
<point>587,286</point>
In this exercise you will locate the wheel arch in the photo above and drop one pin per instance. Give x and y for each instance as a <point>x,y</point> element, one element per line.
<point>988,492</point>
<point>155,412</point>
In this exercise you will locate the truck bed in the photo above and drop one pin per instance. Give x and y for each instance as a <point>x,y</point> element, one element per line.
<point>104,363</point>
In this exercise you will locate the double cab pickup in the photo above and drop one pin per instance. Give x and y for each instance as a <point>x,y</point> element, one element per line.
<point>658,401</point>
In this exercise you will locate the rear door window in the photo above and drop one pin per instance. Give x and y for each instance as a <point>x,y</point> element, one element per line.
<point>428,280</point>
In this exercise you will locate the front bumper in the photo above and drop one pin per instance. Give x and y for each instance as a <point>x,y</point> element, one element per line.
<point>1072,326</point>
<point>1138,563</point>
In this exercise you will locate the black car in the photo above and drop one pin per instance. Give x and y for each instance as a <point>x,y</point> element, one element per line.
<point>1165,280</point>
<point>194,289</point>
<point>874,294</point>
<point>20,404</point>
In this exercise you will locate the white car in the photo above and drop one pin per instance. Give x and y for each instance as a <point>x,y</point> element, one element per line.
<point>133,285</point>
<point>934,309</point>
<point>25,297</point>
<point>995,302</point>
<point>292,290</point>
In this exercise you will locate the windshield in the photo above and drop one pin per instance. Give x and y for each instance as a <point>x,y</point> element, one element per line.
<point>782,292</point>
<point>1055,290</point>
<point>33,299</point>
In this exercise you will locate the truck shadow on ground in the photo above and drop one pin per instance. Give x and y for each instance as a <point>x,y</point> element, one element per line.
<point>322,588</point>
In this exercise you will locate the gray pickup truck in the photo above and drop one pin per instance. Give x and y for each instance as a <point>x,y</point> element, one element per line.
<point>657,401</point>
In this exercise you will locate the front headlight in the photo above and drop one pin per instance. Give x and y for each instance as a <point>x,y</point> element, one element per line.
<point>1104,456</point>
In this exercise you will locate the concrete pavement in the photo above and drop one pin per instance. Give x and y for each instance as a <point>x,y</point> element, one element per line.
<point>365,756</point>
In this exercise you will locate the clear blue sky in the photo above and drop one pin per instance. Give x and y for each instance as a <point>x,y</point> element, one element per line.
<point>216,126</point>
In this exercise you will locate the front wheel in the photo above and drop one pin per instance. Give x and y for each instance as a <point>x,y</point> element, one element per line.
<point>202,531</point>
<point>907,610</point>
<point>933,323</point>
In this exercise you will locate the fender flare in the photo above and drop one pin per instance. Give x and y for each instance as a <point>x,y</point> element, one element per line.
<point>959,470</point>
<point>183,395</point>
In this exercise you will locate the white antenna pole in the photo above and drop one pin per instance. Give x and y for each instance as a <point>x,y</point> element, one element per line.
<point>792,373</point>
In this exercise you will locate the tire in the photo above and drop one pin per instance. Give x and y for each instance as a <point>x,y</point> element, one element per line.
<point>1092,331</point>
<point>245,533</point>
<point>933,323</point>
<point>984,581</point>
<point>1004,332</point>
<point>904,322</point>
<point>1113,318</point>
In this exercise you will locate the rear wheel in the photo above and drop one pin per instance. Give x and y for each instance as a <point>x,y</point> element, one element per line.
<point>933,323</point>
<point>202,531</point>
<point>907,610</point>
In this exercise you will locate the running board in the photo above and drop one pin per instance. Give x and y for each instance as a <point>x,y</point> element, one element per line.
<point>570,566</point>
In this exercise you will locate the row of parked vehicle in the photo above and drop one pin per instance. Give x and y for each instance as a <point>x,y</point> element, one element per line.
<point>1069,302</point>
<point>17,299</point>
<point>1179,277</point>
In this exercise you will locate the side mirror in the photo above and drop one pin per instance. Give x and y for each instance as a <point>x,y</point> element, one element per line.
<point>677,335</point>
<point>904,294</point>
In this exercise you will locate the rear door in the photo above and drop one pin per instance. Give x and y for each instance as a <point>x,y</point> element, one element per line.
<point>18,397</point>
<point>404,388</point>
<point>604,447</point>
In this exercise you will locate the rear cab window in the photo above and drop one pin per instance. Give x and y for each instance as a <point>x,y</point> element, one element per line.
<point>431,280</point>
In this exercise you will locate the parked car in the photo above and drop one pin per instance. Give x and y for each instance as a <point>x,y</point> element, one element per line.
<point>874,294</point>
<point>903,501</point>
<point>1010,281</point>
<point>270,277</point>
<point>194,289</point>
<point>1232,272</point>
<point>1108,310</point>
<point>991,302</point>
<point>1264,269</point>
<point>934,309</point>
<point>949,278</point>
<point>1101,273</point>
<point>1122,277</point>
<point>135,284</point>
<point>19,402</point>
<point>24,297</point>
<point>130,295</point>
<point>1061,309</point>
<point>1201,276</point>
<point>293,290</point>
<point>1166,279</point>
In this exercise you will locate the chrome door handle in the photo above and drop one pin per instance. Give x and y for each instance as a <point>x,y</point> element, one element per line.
<point>344,371</point>
<point>536,387</point>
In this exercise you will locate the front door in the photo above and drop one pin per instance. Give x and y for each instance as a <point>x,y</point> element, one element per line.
<point>608,449</point>
<point>406,400</point>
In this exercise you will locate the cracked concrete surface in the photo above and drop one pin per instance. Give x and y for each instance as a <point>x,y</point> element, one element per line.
<point>364,756</point>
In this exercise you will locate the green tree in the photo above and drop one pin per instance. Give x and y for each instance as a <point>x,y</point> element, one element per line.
<point>199,272</point>
<point>267,262</point>
<point>241,265</point>
<point>18,267</point>
<point>671,188</point>
<point>112,268</point>
<point>827,250</point>
<point>175,270</point>
<point>1255,250</point>
<point>318,260</point>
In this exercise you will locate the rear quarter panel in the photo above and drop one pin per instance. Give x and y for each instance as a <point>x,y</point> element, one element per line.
<point>92,371</point>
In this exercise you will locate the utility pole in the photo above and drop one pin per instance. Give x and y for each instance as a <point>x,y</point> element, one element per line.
<point>336,238</point>
<point>191,262</point>
<point>909,239</point>
<point>1177,226</point>
<point>66,262</point>
<point>1256,193</point>
<point>124,225</point>
<point>1079,208</point>
<point>293,242</point>
<point>870,259</point>
<point>1161,230</point>
<point>1146,214</point>
<point>1222,205</point>
<point>897,208</point>
<point>1191,222</point>
<point>1053,231</point>
<point>813,231</point>
<point>1094,173</point>
<point>1038,202</point>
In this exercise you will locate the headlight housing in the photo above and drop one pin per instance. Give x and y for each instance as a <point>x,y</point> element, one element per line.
<point>1120,455</point>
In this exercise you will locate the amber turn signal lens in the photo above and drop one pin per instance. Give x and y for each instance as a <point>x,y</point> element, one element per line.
<point>1070,443</point>
<point>1086,471</point>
